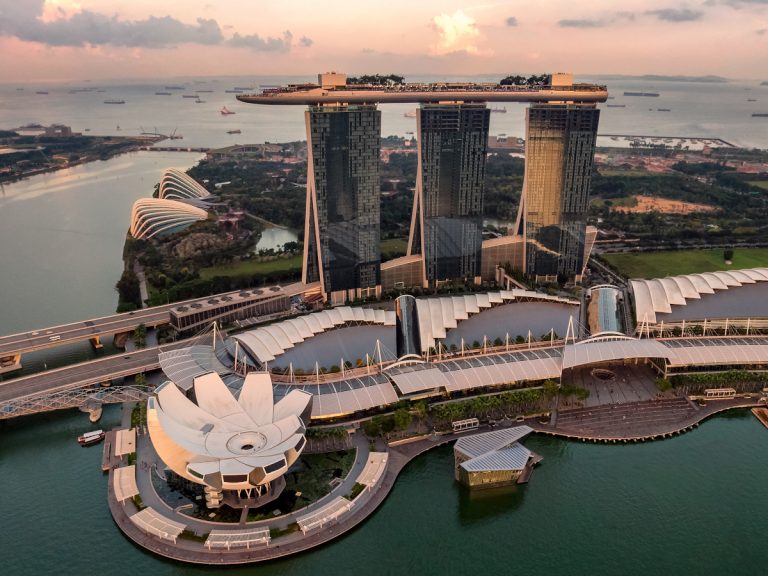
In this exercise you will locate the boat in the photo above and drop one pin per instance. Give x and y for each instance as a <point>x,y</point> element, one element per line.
<point>751,100</point>
<point>502,110</point>
<point>237,131</point>
<point>225,111</point>
<point>242,88</point>
<point>174,87</point>
<point>41,92</point>
<point>203,91</point>
<point>616,105</point>
<point>760,115</point>
<point>233,91</point>
<point>663,109</point>
<point>90,438</point>
<point>198,101</point>
<point>163,94</point>
<point>114,101</point>
<point>190,96</point>
<point>648,94</point>
<point>87,130</point>
<point>410,114</point>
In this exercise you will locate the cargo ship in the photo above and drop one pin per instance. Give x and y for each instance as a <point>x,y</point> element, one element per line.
<point>648,94</point>
<point>760,115</point>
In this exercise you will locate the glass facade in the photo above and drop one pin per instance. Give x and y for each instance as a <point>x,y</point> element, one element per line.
<point>342,232</point>
<point>407,326</point>
<point>453,141</point>
<point>559,154</point>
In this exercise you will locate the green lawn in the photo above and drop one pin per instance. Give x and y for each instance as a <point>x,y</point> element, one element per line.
<point>250,267</point>
<point>394,247</point>
<point>760,184</point>
<point>659,264</point>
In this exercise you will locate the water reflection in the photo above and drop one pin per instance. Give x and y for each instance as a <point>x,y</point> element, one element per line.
<point>480,505</point>
<point>275,238</point>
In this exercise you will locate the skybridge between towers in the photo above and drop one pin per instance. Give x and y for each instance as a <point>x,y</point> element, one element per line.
<point>332,88</point>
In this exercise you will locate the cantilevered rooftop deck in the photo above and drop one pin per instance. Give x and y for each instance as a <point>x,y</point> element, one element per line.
<point>308,94</point>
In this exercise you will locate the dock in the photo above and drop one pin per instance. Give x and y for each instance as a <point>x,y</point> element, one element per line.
<point>527,472</point>
<point>108,460</point>
<point>762,415</point>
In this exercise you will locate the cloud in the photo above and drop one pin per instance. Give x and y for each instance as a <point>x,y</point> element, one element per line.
<point>511,21</point>
<point>24,20</point>
<point>457,32</point>
<point>761,31</point>
<point>581,23</point>
<point>306,42</point>
<point>262,44</point>
<point>676,14</point>
<point>737,4</point>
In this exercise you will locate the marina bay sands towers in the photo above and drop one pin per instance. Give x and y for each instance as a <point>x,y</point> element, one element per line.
<point>342,222</point>
<point>447,221</point>
<point>559,154</point>
<point>342,227</point>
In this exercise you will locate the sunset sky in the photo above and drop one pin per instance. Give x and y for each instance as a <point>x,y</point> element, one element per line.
<point>60,40</point>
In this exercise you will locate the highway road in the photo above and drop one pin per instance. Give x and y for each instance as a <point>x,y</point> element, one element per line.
<point>85,373</point>
<point>83,330</point>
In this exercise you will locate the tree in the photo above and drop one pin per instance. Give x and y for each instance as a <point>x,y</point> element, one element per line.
<point>728,254</point>
<point>140,379</point>
<point>372,428</point>
<point>402,418</point>
<point>550,389</point>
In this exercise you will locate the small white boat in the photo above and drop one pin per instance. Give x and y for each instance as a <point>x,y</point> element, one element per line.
<point>90,438</point>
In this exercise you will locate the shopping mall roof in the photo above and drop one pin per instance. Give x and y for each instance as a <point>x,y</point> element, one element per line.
<point>608,348</point>
<point>717,351</point>
<point>267,343</point>
<point>657,296</point>
<point>345,396</point>
<point>438,315</point>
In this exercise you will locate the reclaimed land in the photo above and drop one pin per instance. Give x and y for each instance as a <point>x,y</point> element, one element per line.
<point>658,264</point>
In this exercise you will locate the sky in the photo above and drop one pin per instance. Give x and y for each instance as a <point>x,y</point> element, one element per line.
<point>71,40</point>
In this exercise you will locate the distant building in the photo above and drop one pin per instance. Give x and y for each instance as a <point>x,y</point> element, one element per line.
<point>447,221</point>
<point>59,131</point>
<point>342,228</point>
<point>559,154</point>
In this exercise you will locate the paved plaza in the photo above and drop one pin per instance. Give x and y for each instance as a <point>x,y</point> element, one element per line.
<point>625,383</point>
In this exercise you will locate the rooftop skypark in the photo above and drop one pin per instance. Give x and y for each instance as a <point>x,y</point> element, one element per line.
<point>333,87</point>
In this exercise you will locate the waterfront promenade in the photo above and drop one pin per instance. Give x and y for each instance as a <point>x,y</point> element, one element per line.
<point>621,423</point>
<point>636,421</point>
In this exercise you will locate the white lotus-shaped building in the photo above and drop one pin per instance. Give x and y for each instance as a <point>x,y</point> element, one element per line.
<point>152,217</point>
<point>225,442</point>
<point>177,185</point>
